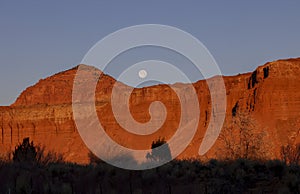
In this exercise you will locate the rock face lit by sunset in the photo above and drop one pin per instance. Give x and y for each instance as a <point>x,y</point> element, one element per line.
<point>160,97</point>
<point>44,115</point>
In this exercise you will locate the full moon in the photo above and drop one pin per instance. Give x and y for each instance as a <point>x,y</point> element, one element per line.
<point>142,73</point>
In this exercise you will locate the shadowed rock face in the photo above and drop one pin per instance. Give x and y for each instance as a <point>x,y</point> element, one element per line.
<point>43,112</point>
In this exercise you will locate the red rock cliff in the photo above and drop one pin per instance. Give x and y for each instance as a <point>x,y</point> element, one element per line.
<point>43,112</point>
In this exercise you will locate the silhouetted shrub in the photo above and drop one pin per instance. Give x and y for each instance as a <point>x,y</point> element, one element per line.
<point>45,158</point>
<point>178,176</point>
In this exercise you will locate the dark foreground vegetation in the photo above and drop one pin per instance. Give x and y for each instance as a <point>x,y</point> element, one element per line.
<point>240,176</point>
<point>33,171</point>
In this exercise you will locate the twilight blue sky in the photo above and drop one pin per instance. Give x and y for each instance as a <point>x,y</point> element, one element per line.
<point>40,38</point>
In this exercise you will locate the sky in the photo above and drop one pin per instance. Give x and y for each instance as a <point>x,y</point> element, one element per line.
<point>40,38</point>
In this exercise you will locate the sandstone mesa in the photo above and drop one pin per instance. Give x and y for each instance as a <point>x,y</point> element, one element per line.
<point>43,112</point>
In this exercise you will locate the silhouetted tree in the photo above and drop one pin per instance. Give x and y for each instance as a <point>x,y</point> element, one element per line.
<point>157,143</point>
<point>290,154</point>
<point>240,140</point>
<point>160,155</point>
<point>28,152</point>
<point>25,152</point>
